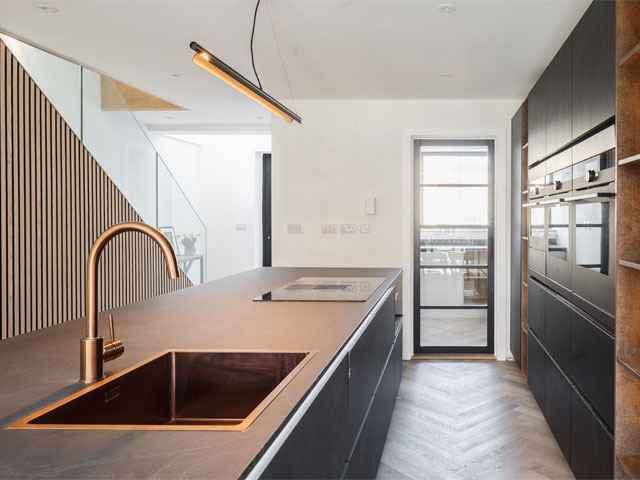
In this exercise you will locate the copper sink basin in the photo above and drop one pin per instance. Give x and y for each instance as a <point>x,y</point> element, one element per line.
<point>178,390</point>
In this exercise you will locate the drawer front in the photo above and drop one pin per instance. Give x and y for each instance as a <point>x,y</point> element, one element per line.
<point>396,359</point>
<point>557,406</point>
<point>558,329</point>
<point>535,377</point>
<point>317,447</point>
<point>591,444</point>
<point>366,361</point>
<point>365,459</point>
<point>536,308</point>
<point>593,365</point>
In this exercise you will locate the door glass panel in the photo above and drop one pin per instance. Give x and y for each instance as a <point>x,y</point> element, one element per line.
<point>454,244</point>
<point>592,236</point>
<point>456,205</point>
<point>558,240</point>
<point>444,327</point>
<point>536,227</point>
<point>453,286</point>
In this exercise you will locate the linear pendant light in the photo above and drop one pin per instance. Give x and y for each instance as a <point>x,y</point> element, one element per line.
<point>224,72</point>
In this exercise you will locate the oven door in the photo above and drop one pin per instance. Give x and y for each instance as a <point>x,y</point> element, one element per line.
<point>559,241</point>
<point>594,266</point>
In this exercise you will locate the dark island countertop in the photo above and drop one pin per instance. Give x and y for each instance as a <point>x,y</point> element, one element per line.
<point>42,367</point>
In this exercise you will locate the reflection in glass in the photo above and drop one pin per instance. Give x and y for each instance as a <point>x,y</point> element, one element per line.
<point>454,205</point>
<point>453,327</point>
<point>453,246</point>
<point>558,241</point>
<point>599,162</point>
<point>536,228</point>
<point>592,236</point>
<point>561,176</point>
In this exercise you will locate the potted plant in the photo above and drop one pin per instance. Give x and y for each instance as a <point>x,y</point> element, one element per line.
<point>189,241</point>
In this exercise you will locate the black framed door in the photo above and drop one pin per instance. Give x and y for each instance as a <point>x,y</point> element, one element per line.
<point>266,210</point>
<point>454,246</point>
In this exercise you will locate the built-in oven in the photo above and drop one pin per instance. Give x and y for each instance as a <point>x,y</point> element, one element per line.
<point>537,238</point>
<point>559,236</point>
<point>537,181</point>
<point>594,160</point>
<point>559,175</point>
<point>594,264</point>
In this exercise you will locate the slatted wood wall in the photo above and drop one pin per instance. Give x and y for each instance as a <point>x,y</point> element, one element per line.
<point>55,201</point>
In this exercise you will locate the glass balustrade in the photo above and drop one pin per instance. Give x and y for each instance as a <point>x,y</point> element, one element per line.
<point>94,109</point>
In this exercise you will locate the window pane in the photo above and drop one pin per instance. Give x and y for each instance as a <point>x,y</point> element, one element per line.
<point>455,167</point>
<point>454,205</point>
<point>453,328</point>
<point>558,240</point>
<point>453,286</point>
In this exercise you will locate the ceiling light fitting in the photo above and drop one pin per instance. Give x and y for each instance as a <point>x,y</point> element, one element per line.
<point>446,8</point>
<point>224,72</point>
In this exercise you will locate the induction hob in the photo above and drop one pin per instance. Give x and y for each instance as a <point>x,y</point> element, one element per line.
<point>324,289</point>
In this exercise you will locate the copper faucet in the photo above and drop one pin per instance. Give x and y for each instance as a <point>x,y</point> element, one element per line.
<point>93,354</point>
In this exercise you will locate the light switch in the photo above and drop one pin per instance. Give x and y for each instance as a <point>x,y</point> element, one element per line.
<point>370,206</point>
<point>329,228</point>
<point>364,228</point>
<point>295,228</point>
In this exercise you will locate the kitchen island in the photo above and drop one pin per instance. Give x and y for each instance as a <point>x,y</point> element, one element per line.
<point>42,367</point>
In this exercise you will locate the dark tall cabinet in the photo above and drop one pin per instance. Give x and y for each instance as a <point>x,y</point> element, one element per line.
<point>594,67</point>
<point>516,233</point>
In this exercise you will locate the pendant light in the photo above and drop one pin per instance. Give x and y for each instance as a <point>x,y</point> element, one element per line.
<point>224,72</point>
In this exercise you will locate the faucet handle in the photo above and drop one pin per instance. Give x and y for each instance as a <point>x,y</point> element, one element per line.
<point>111,329</point>
<point>114,348</point>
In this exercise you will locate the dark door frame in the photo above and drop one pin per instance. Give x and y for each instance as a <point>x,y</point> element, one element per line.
<point>266,210</point>
<point>490,348</point>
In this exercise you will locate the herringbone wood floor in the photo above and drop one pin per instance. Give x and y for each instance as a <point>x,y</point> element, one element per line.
<point>468,420</point>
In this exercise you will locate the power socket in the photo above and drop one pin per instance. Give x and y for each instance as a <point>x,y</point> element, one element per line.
<point>329,228</point>
<point>348,229</point>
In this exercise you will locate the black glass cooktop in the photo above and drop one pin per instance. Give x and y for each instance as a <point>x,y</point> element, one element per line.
<point>324,289</point>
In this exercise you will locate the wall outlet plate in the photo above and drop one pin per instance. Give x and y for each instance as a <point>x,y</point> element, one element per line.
<point>370,206</point>
<point>329,228</point>
<point>295,228</point>
<point>348,228</point>
<point>364,228</point>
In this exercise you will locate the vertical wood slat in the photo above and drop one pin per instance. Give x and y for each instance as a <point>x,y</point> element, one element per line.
<point>55,200</point>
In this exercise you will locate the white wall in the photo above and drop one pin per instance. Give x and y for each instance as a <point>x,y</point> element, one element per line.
<point>346,150</point>
<point>220,176</point>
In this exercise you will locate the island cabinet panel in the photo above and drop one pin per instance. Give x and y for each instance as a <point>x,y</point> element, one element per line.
<point>593,364</point>
<point>557,405</point>
<point>537,120</point>
<point>591,443</point>
<point>366,362</point>
<point>318,445</point>
<point>365,459</point>
<point>536,366</point>
<point>343,432</point>
<point>558,99</point>
<point>594,67</point>
<point>536,308</point>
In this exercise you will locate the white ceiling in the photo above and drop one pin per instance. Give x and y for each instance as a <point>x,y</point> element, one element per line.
<point>337,49</point>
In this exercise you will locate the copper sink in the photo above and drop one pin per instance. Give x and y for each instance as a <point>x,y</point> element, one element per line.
<point>178,390</point>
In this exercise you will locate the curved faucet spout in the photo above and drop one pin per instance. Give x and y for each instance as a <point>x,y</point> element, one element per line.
<point>91,368</point>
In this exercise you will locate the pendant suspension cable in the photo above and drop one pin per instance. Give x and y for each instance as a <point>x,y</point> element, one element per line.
<point>253,31</point>
<point>224,20</point>
<point>280,54</point>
